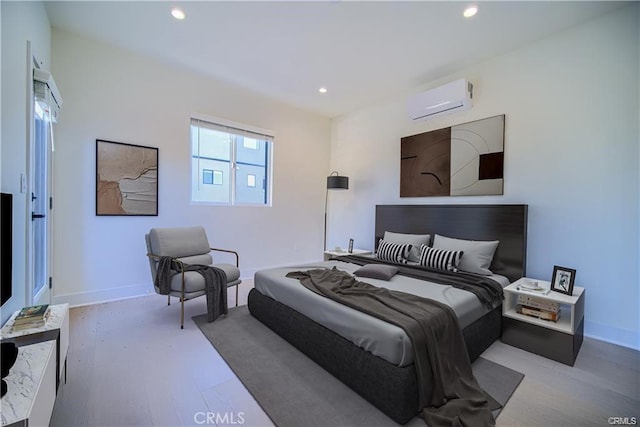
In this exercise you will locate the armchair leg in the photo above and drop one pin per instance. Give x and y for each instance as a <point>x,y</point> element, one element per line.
<point>237,286</point>
<point>181,313</point>
<point>182,300</point>
<point>168,299</point>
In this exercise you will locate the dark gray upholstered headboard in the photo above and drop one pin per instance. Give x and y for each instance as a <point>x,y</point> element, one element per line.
<point>506,223</point>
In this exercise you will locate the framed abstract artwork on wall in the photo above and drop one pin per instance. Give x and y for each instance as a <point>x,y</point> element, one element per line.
<point>126,179</point>
<point>461,160</point>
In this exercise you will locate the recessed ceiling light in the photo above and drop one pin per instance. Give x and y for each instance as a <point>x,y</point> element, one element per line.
<point>178,13</point>
<point>470,11</point>
<point>322,90</point>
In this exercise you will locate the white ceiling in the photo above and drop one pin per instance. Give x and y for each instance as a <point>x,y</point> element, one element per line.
<point>361,51</point>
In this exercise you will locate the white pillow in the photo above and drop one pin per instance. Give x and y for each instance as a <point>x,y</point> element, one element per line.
<point>478,254</point>
<point>415,240</point>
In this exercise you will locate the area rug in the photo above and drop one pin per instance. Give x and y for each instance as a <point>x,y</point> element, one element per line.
<point>295,391</point>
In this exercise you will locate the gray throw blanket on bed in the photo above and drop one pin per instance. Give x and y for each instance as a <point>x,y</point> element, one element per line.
<point>215,280</point>
<point>455,398</point>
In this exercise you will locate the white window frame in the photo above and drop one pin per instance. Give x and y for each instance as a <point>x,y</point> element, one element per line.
<point>238,127</point>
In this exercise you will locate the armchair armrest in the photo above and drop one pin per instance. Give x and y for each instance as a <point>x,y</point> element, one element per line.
<point>173,260</point>
<point>230,252</point>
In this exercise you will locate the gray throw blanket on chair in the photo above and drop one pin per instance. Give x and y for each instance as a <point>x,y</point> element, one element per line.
<point>215,280</point>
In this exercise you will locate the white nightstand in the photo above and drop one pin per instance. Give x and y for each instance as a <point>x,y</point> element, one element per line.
<point>332,254</point>
<point>559,340</point>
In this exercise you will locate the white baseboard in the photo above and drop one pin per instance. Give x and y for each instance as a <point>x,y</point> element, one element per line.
<point>105,295</point>
<point>613,335</point>
<point>135,291</point>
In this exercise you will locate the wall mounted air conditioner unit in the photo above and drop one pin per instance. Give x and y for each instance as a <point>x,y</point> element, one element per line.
<point>449,98</point>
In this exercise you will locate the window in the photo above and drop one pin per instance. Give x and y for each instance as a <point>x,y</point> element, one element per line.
<point>230,164</point>
<point>211,177</point>
<point>217,177</point>
<point>251,143</point>
<point>207,176</point>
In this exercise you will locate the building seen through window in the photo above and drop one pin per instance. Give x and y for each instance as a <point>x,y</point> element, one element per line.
<point>229,165</point>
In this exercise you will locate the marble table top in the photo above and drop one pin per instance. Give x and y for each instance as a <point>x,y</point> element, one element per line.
<point>56,317</point>
<point>24,379</point>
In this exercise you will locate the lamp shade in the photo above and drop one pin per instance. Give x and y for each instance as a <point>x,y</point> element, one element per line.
<point>337,182</point>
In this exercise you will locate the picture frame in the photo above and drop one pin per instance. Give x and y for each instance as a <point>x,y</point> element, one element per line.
<point>563,279</point>
<point>460,160</point>
<point>126,179</point>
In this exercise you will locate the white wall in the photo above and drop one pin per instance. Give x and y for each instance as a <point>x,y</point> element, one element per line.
<point>571,153</point>
<point>115,95</point>
<point>21,22</point>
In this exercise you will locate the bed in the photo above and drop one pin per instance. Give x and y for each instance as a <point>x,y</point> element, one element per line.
<point>367,354</point>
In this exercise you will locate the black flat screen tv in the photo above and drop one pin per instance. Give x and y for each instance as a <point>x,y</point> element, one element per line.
<point>6,246</point>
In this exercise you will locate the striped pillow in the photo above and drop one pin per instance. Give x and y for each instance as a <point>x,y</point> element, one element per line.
<point>393,252</point>
<point>439,258</point>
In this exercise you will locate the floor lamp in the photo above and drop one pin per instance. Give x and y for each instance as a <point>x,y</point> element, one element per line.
<point>334,182</point>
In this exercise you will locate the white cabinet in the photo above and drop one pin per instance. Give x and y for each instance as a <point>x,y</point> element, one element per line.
<point>559,340</point>
<point>56,328</point>
<point>42,356</point>
<point>31,386</point>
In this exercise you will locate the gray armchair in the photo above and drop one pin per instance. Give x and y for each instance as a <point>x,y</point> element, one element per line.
<point>187,245</point>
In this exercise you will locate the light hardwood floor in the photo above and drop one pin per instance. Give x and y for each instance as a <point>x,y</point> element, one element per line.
<point>129,364</point>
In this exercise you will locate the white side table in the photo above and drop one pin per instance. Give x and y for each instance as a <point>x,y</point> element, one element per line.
<point>559,340</point>
<point>56,328</point>
<point>332,254</point>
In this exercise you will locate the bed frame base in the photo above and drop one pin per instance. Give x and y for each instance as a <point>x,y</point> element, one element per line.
<point>390,388</point>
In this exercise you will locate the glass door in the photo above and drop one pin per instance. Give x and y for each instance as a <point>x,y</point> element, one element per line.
<point>40,222</point>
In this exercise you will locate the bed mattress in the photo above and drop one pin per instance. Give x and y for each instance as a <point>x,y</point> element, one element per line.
<point>382,339</point>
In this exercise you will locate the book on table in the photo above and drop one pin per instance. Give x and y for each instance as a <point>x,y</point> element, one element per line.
<point>539,313</point>
<point>543,304</point>
<point>32,317</point>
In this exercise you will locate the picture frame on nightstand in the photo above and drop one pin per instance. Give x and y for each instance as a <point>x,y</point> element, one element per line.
<point>563,279</point>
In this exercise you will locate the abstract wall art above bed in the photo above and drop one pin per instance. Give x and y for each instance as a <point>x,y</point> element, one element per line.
<point>461,160</point>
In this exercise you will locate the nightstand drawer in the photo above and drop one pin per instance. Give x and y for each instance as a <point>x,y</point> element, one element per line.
<point>555,345</point>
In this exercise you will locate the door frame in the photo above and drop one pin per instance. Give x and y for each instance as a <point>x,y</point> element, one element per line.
<point>32,62</point>
<point>45,295</point>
